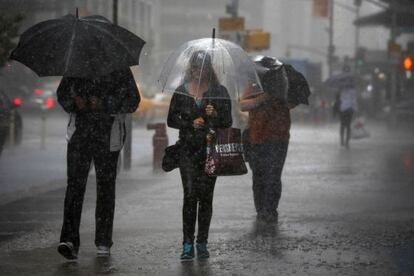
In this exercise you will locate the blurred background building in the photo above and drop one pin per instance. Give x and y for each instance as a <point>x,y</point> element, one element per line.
<point>297,33</point>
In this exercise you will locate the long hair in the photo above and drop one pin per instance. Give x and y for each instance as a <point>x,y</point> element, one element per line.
<point>201,59</point>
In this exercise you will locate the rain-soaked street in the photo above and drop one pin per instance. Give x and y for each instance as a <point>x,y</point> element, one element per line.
<point>343,212</point>
<point>93,89</point>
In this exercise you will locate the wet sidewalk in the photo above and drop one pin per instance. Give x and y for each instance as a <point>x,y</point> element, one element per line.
<point>343,212</point>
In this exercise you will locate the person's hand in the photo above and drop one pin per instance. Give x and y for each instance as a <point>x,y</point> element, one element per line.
<point>96,103</point>
<point>210,111</point>
<point>199,122</point>
<point>80,102</point>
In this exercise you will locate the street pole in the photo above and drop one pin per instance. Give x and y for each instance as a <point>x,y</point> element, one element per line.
<point>357,12</point>
<point>128,120</point>
<point>115,12</point>
<point>331,48</point>
<point>43,130</point>
<point>393,63</point>
<point>12,128</point>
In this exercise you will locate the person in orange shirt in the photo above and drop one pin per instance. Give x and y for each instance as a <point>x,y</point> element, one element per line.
<point>268,135</point>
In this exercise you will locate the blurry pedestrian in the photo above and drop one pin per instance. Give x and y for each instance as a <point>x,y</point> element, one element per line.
<point>96,133</point>
<point>347,107</point>
<point>345,101</point>
<point>268,133</point>
<point>194,110</point>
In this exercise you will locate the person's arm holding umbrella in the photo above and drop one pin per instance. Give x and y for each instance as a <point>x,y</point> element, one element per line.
<point>220,116</point>
<point>67,97</point>
<point>250,100</point>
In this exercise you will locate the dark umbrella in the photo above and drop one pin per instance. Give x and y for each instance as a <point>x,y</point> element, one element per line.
<point>77,47</point>
<point>290,86</point>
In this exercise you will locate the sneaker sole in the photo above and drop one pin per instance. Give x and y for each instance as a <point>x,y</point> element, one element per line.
<point>187,260</point>
<point>66,252</point>
<point>103,254</point>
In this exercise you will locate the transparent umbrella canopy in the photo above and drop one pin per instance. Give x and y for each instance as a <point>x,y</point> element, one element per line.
<point>230,63</point>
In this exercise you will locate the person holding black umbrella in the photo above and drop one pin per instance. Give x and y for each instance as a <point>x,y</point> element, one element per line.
<point>98,91</point>
<point>268,130</point>
<point>96,132</point>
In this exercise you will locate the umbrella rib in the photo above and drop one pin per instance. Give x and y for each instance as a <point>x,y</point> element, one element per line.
<point>111,35</point>
<point>68,55</point>
<point>238,97</point>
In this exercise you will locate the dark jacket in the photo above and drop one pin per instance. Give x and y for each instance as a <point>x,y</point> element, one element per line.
<point>184,110</point>
<point>119,95</point>
<point>117,90</point>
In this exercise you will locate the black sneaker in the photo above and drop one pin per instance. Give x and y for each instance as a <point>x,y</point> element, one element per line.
<point>188,252</point>
<point>67,250</point>
<point>202,252</point>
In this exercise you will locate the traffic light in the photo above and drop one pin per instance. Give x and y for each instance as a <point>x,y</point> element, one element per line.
<point>407,63</point>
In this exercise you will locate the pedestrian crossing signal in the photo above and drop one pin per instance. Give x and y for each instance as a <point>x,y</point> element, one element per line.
<point>408,63</point>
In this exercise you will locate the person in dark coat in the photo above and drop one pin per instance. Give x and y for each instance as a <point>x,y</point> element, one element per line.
<point>268,135</point>
<point>194,110</point>
<point>96,133</point>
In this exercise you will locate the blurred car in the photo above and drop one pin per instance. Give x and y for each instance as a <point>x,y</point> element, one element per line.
<point>43,96</point>
<point>7,109</point>
<point>152,109</point>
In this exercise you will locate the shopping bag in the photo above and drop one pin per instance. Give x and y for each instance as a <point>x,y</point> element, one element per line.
<point>225,153</point>
<point>358,130</point>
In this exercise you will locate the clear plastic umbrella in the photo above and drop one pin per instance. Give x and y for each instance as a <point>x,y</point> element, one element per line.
<point>231,66</point>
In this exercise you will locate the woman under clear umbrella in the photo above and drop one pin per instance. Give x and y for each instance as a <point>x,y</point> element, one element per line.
<point>200,104</point>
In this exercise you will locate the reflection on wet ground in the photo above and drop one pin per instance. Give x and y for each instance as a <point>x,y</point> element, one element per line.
<point>343,212</point>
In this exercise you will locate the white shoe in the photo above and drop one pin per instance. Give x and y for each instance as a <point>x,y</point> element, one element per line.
<point>103,251</point>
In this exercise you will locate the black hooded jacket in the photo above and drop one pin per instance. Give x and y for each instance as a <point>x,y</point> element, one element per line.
<point>184,110</point>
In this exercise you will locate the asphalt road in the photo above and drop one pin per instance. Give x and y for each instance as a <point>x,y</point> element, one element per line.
<point>343,212</point>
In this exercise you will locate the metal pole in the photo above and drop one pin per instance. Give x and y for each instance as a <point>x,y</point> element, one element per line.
<point>331,33</point>
<point>128,143</point>
<point>128,120</point>
<point>43,130</point>
<point>115,12</point>
<point>357,11</point>
<point>12,129</point>
<point>393,63</point>
<point>235,5</point>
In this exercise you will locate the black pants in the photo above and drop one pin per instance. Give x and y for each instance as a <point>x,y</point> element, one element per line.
<point>345,128</point>
<point>266,162</point>
<point>82,149</point>
<point>198,197</point>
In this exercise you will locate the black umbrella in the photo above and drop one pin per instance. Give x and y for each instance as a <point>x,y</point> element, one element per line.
<point>275,81</point>
<point>77,47</point>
